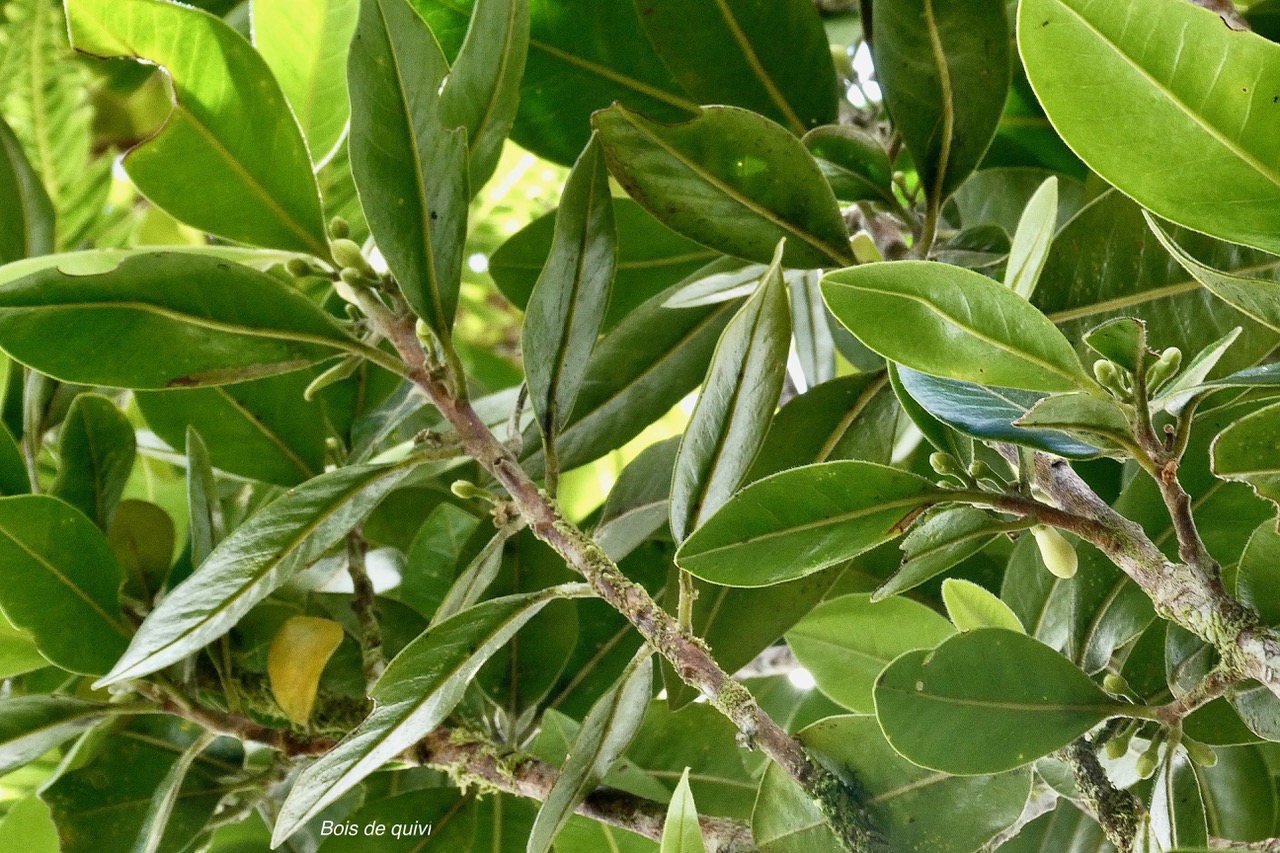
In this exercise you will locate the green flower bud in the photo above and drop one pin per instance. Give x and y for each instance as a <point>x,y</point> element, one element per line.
<point>865,249</point>
<point>1146,766</point>
<point>1109,376</point>
<point>1058,554</point>
<point>1115,684</point>
<point>354,277</point>
<point>946,465</point>
<point>348,254</point>
<point>1198,752</point>
<point>1118,746</point>
<point>298,268</point>
<point>339,229</point>
<point>1164,369</point>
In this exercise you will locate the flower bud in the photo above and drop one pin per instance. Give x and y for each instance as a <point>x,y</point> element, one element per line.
<point>946,465</point>
<point>339,229</point>
<point>1108,375</point>
<point>348,254</point>
<point>1118,746</point>
<point>1115,684</point>
<point>1057,553</point>
<point>1164,369</point>
<point>298,268</point>
<point>1200,753</point>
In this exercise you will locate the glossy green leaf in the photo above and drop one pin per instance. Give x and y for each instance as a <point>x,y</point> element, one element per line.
<point>681,832</point>
<point>14,478</point>
<point>730,179</point>
<point>770,58</point>
<point>30,726</point>
<point>1122,340</point>
<point>1031,241</point>
<point>142,537</point>
<point>1213,120</point>
<point>651,258</point>
<point>104,804</point>
<point>305,43</point>
<point>945,71</point>
<point>971,606</point>
<point>943,539</point>
<point>410,169</point>
<point>59,571</point>
<point>474,579</point>
<point>953,323</point>
<point>581,59</point>
<point>1177,809</point>
<point>483,89</point>
<point>986,701</point>
<point>26,213</point>
<point>786,819</point>
<point>811,330</point>
<point>18,651</point>
<point>156,823</point>
<point>739,396</point>
<point>1239,794</point>
<point>999,196</point>
<point>172,320</point>
<point>853,162</point>
<point>605,735</point>
<point>1099,421</point>
<point>257,557</point>
<point>95,452</point>
<point>845,643</point>
<point>1257,298</point>
<point>1258,573</point>
<point>262,429</point>
<point>793,523</point>
<point>231,131</point>
<point>638,371</point>
<point>1191,381</point>
<point>1065,829</point>
<point>637,504</point>
<point>567,307</point>
<point>419,689</point>
<point>987,412</point>
<point>434,555</point>
<point>1103,264</point>
<point>918,810</point>
<point>203,504</point>
<point>1248,451</point>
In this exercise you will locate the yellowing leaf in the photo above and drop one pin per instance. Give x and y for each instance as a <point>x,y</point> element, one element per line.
<point>298,655</point>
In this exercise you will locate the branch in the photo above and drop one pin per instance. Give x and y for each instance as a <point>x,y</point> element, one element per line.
<point>1119,812</point>
<point>472,760</point>
<point>365,605</point>
<point>1269,845</point>
<point>689,655</point>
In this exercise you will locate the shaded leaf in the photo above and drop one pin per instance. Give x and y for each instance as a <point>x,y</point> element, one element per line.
<point>30,726</point>
<point>681,832</point>
<point>26,213</point>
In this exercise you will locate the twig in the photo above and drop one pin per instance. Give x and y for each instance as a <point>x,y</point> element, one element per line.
<point>1119,812</point>
<point>689,656</point>
<point>365,605</point>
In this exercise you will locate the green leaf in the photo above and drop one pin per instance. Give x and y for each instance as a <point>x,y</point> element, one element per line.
<point>483,90</point>
<point>681,832</point>
<point>953,323</point>
<point>203,501</point>
<point>944,68</point>
<point>970,606</point>
<point>104,804</point>
<point>1239,794</point>
<point>410,169</point>
<point>916,808</point>
<point>263,429</point>
<point>853,162</point>
<point>739,396</point>
<point>1258,573</point>
<point>605,735</point>
<point>165,799</point>
<point>246,153</point>
<point>642,368</point>
<point>1257,298</point>
<point>999,196</point>
<point>18,652</point>
<point>846,642</point>
<point>811,330</point>
<point>1191,381</point>
<point>986,701</point>
<point>637,505</point>
<point>1248,452</point>
<point>791,524</point>
<point>1066,829</point>
<point>95,452</point>
<point>171,320</point>
<point>29,827</point>
<point>30,726</point>
<point>581,59</point>
<point>567,307</point>
<point>305,44</point>
<point>786,819</point>
<point>651,258</point>
<point>434,555</point>
<point>286,535</point>
<point>14,479</point>
<point>1032,239</point>
<point>26,214</point>
<point>142,537</point>
<point>730,179</point>
<point>1212,120</point>
<point>942,540</point>
<point>1122,340</point>
<point>1098,421</point>
<point>770,58</point>
<point>60,572</point>
<point>1103,264</point>
<point>419,689</point>
<point>1177,809</point>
